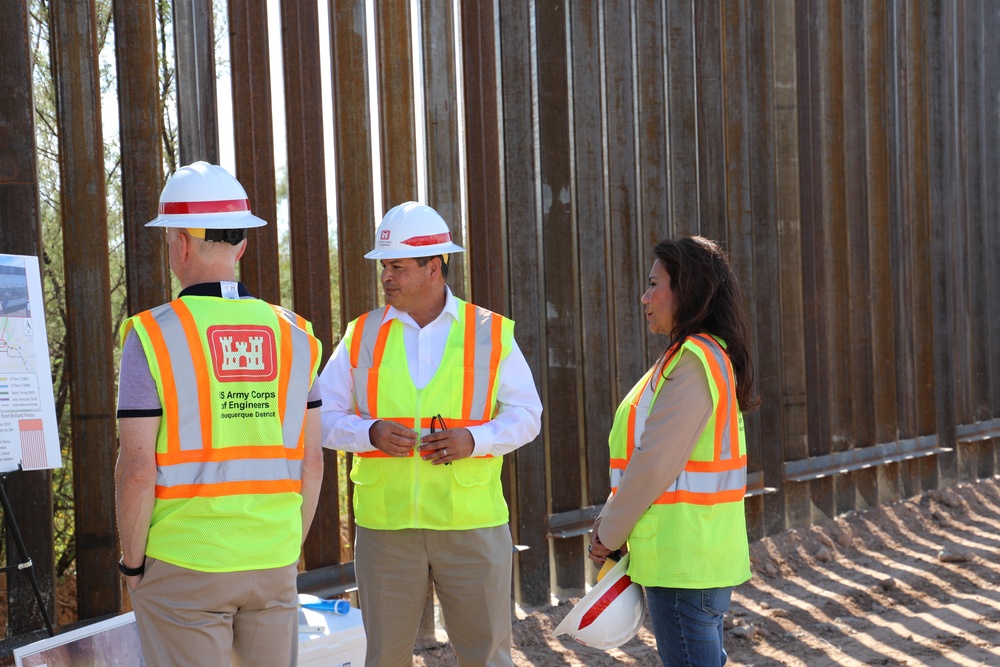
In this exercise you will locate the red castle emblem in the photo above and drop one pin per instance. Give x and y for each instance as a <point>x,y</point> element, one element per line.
<point>242,353</point>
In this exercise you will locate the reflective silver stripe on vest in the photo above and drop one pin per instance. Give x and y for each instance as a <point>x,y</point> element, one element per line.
<point>726,451</point>
<point>482,357</point>
<point>297,395</point>
<point>481,362</point>
<point>366,353</point>
<point>218,472</point>
<point>185,382</point>
<point>616,477</point>
<point>710,482</point>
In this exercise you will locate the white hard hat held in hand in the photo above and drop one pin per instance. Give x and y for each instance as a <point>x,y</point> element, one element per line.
<point>412,230</point>
<point>610,614</point>
<point>204,196</point>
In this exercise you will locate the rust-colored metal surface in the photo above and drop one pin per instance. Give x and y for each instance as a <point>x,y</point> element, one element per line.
<point>441,130</point>
<point>861,257</point>
<point>591,222</point>
<point>140,126</point>
<point>943,171</point>
<point>527,305</point>
<point>682,119</point>
<point>792,373</point>
<point>88,303</point>
<point>254,143</point>
<point>394,65</point>
<point>353,148</point>
<point>652,146</point>
<point>561,282</point>
<point>626,245</point>
<point>194,58</point>
<point>879,78</point>
<point>708,36</point>
<point>486,254</point>
<point>766,433</point>
<point>310,244</point>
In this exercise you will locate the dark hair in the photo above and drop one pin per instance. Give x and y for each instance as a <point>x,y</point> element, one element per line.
<point>707,300</point>
<point>422,261</point>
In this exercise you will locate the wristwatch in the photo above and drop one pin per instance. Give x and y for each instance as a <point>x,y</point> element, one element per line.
<point>131,571</point>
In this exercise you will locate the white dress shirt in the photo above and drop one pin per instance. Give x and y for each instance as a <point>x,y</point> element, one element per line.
<point>519,414</point>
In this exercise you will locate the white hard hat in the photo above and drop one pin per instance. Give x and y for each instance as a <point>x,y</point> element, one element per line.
<point>412,230</point>
<point>610,614</point>
<point>204,196</point>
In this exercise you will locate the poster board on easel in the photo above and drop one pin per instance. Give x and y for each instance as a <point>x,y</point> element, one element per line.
<point>29,432</point>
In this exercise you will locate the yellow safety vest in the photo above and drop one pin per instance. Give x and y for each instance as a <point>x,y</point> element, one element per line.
<point>392,493</point>
<point>233,377</point>
<point>694,535</point>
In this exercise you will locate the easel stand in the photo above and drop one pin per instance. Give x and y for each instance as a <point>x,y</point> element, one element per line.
<point>22,552</point>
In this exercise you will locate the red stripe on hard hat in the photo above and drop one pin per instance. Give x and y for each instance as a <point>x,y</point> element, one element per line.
<point>221,206</point>
<point>429,239</point>
<point>602,602</point>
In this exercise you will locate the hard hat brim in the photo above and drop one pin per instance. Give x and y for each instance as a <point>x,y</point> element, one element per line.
<point>571,623</point>
<point>414,252</point>
<point>234,220</point>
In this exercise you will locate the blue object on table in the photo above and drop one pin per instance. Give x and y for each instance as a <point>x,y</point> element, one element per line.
<point>341,607</point>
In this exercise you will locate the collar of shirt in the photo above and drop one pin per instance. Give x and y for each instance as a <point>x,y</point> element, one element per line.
<point>213,289</point>
<point>450,308</point>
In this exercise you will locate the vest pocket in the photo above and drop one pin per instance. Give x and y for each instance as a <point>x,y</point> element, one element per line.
<point>473,472</point>
<point>365,475</point>
<point>644,528</point>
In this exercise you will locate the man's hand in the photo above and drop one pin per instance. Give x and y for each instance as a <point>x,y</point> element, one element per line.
<point>133,581</point>
<point>447,446</point>
<point>391,438</point>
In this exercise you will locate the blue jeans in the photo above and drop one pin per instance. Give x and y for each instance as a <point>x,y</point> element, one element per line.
<point>687,624</point>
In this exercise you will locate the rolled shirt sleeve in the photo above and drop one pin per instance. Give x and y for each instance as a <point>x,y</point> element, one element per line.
<point>675,422</point>
<point>343,428</point>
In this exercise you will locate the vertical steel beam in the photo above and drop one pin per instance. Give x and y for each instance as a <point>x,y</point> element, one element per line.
<point>527,301</point>
<point>88,302</point>
<point>30,493</point>
<point>254,143</point>
<point>560,282</point>
<point>487,254</point>
<point>768,449</point>
<point>394,69</point>
<point>441,109</point>
<point>308,227</point>
<point>194,58</point>
<point>353,149</point>
<point>590,209</point>
<point>789,273</point>
<point>630,260</point>
<point>944,173</point>
<point>140,123</point>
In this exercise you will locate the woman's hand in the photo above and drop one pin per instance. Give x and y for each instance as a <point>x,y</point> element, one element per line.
<point>597,552</point>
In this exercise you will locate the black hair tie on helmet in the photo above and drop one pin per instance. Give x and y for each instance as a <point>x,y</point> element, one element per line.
<point>230,236</point>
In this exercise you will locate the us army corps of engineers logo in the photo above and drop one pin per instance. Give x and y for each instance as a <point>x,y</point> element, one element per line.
<point>243,353</point>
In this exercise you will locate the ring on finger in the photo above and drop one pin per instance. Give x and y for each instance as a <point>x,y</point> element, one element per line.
<point>444,450</point>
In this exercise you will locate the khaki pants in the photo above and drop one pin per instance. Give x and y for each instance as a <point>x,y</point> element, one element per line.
<point>471,570</point>
<point>209,619</point>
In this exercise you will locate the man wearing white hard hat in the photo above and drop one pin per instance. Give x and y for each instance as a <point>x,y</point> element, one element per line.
<point>429,392</point>
<point>221,462</point>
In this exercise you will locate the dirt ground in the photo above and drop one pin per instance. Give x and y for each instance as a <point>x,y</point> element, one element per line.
<point>912,583</point>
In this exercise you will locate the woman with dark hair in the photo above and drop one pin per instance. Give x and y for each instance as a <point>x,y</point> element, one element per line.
<point>678,455</point>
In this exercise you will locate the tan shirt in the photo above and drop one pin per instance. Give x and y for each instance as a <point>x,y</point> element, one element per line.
<point>676,420</point>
